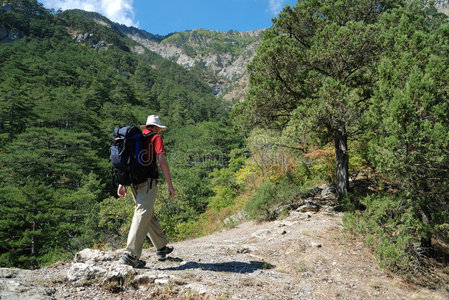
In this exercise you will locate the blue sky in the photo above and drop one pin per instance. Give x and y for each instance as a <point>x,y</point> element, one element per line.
<point>166,16</point>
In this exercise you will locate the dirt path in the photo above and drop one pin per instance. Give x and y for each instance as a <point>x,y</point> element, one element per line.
<point>305,256</point>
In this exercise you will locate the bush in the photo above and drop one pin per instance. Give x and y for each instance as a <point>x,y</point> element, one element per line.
<point>393,228</point>
<point>261,202</point>
<point>114,220</point>
<point>268,196</point>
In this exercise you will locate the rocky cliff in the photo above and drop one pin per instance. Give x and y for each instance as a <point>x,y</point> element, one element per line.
<point>222,56</point>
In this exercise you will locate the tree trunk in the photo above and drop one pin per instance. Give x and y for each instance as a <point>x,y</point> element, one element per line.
<point>33,243</point>
<point>341,153</point>
<point>11,119</point>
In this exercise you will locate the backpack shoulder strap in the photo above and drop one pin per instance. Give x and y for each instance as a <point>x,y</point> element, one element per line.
<point>149,135</point>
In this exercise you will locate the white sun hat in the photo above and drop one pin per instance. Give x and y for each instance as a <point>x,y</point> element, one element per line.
<point>153,120</point>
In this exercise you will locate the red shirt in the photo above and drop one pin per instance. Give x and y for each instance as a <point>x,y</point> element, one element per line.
<point>156,140</point>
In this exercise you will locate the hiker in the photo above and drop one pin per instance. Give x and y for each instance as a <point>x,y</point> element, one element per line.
<point>144,222</point>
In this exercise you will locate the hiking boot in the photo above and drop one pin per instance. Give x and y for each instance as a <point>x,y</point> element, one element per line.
<point>161,253</point>
<point>132,261</point>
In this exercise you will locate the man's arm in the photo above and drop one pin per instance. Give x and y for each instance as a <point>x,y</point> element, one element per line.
<point>166,172</point>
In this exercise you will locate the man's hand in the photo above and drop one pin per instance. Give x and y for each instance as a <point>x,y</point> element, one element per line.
<point>171,190</point>
<point>121,192</point>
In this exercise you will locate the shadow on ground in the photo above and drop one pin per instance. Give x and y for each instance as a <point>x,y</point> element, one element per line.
<point>232,266</point>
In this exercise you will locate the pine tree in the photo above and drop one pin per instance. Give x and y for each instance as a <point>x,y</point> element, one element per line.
<point>408,119</point>
<point>314,71</point>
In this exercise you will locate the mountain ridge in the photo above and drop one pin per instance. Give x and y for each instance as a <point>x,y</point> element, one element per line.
<point>222,69</point>
<point>221,57</point>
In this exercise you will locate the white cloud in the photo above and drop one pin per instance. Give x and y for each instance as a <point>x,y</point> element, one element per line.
<point>120,11</point>
<point>276,6</point>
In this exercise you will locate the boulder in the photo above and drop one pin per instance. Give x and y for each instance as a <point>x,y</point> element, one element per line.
<point>143,279</point>
<point>309,207</point>
<point>328,192</point>
<point>92,256</point>
<point>119,277</point>
<point>8,273</point>
<point>83,272</point>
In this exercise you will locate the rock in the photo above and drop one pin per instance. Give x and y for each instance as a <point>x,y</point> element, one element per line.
<point>316,245</point>
<point>261,233</point>
<point>100,45</point>
<point>199,288</point>
<point>92,256</point>
<point>161,281</point>
<point>243,251</point>
<point>8,273</point>
<point>15,289</point>
<point>119,274</point>
<point>309,207</point>
<point>236,218</point>
<point>286,223</point>
<point>50,291</point>
<point>11,36</point>
<point>14,35</point>
<point>90,40</point>
<point>82,271</point>
<point>328,192</point>
<point>226,66</point>
<point>138,50</point>
<point>144,279</point>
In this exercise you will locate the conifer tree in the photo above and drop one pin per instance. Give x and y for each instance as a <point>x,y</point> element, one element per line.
<point>408,121</point>
<point>314,71</point>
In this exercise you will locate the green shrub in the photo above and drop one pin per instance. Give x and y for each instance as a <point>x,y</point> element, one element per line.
<point>288,190</point>
<point>393,228</point>
<point>55,255</point>
<point>114,220</point>
<point>269,196</point>
<point>261,201</point>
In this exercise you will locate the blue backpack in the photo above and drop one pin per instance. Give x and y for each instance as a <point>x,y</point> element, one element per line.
<point>133,162</point>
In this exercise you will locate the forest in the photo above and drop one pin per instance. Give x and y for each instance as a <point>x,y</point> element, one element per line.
<point>353,93</point>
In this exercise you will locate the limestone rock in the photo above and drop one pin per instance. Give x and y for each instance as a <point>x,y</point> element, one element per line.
<point>13,35</point>
<point>316,245</point>
<point>8,273</point>
<point>328,192</point>
<point>236,218</point>
<point>82,271</point>
<point>119,275</point>
<point>309,207</point>
<point>143,279</point>
<point>92,256</point>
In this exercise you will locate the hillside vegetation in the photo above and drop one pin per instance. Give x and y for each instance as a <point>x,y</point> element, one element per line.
<point>205,42</point>
<point>60,101</point>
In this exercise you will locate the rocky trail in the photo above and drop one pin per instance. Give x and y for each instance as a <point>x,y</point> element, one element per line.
<point>306,255</point>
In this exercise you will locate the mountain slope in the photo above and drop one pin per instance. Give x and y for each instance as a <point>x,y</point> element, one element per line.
<point>65,82</point>
<point>220,58</point>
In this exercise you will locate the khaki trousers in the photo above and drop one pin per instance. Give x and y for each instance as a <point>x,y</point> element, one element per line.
<point>144,222</point>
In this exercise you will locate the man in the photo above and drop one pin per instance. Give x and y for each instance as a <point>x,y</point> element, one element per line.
<point>144,223</point>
